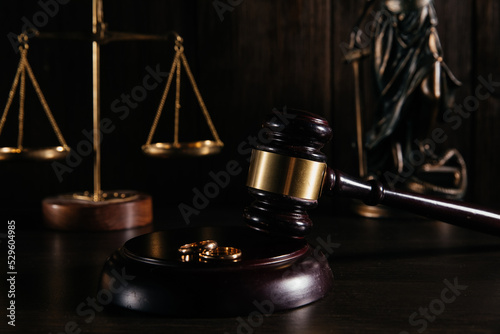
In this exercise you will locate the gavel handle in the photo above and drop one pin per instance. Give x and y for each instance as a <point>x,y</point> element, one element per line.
<point>449,211</point>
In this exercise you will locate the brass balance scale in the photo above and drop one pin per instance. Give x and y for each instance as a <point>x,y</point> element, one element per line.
<point>102,210</point>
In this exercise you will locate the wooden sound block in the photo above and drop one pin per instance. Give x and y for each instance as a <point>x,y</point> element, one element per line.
<point>274,273</point>
<point>76,212</point>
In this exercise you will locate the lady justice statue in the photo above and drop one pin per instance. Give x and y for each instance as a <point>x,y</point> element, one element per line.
<point>413,87</point>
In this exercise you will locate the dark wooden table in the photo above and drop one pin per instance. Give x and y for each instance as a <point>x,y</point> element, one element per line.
<point>391,276</point>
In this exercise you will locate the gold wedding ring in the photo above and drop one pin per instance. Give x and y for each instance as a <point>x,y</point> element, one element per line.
<point>221,254</point>
<point>197,247</point>
<point>208,250</point>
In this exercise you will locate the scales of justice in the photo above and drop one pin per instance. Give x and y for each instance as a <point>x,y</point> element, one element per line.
<point>99,209</point>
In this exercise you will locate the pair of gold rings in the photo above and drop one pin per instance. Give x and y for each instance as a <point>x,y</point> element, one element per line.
<point>208,250</point>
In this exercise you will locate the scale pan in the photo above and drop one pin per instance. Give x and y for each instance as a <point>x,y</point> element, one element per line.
<point>42,153</point>
<point>194,149</point>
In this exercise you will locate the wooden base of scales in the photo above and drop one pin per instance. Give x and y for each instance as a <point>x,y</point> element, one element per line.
<point>112,211</point>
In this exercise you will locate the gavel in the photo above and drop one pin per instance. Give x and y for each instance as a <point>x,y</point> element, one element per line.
<point>288,173</point>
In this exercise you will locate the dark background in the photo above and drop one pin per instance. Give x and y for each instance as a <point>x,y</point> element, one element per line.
<point>263,54</point>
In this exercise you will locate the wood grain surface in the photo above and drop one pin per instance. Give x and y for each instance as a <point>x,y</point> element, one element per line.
<point>384,272</point>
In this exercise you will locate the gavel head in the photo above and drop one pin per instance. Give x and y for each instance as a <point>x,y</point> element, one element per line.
<point>287,172</point>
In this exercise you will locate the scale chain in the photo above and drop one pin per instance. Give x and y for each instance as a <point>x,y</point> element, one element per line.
<point>20,77</point>
<point>177,102</point>
<point>179,61</point>
<point>22,94</point>
<point>11,94</point>
<point>163,99</point>
<point>45,105</point>
<point>200,99</point>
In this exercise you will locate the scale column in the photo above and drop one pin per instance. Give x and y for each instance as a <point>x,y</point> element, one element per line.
<point>96,94</point>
